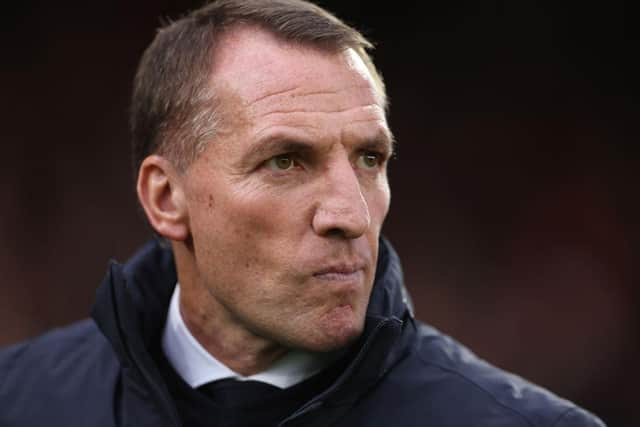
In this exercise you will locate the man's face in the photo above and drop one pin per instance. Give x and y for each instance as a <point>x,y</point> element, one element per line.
<point>286,203</point>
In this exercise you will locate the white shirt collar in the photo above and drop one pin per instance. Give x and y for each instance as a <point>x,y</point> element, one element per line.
<point>197,366</point>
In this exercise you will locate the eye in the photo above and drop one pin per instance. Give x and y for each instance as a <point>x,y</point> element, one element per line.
<point>369,160</point>
<point>281,162</point>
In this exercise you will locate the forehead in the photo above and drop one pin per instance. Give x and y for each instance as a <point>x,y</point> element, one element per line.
<point>263,73</point>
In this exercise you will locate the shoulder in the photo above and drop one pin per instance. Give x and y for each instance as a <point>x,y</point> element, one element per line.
<point>61,373</point>
<point>61,355</point>
<point>478,390</point>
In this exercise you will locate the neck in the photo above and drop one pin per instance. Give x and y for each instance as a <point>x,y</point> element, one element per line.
<point>220,332</point>
<point>240,350</point>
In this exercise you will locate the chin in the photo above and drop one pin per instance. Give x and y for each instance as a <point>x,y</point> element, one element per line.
<point>338,330</point>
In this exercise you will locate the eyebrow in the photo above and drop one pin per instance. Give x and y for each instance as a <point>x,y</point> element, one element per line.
<point>280,144</point>
<point>384,142</point>
<point>273,145</point>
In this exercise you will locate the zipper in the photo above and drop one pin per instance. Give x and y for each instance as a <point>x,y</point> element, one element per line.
<point>165,400</point>
<point>318,401</point>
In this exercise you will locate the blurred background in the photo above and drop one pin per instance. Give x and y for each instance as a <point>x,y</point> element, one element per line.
<point>515,189</point>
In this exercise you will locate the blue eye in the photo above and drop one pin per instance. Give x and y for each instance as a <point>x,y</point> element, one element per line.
<point>281,162</point>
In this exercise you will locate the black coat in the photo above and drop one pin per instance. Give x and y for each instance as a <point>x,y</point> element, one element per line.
<point>99,372</point>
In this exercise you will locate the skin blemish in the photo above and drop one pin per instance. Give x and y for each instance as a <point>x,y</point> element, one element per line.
<point>210,202</point>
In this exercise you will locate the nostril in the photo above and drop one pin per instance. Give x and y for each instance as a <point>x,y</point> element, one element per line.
<point>339,225</point>
<point>336,232</point>
<point>341,213</point>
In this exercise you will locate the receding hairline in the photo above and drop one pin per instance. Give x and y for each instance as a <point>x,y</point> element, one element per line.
<point>237,30</point>
<point>172,113</point>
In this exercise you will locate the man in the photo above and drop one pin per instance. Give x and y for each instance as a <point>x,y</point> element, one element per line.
<point>261,147</point>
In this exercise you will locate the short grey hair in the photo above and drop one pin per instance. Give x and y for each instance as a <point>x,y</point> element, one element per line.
<point>174,112</point>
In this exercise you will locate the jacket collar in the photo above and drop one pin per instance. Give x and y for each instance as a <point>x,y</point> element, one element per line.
<point>132,302</point>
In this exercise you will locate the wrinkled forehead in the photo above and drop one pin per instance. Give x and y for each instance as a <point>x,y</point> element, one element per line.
<point>254,64</point>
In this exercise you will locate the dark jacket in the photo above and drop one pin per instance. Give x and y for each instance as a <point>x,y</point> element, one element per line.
<point>99,372</point>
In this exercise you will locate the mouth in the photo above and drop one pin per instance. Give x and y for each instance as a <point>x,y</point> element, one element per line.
<point>341,272</point>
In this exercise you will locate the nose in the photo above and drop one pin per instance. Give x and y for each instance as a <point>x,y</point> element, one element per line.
<point>342,209</point>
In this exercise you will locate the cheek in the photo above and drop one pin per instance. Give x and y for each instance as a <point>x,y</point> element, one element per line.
<point>275,221</point>
<point>252,233</point>
<point>223,210</point>
<point>379,201</point>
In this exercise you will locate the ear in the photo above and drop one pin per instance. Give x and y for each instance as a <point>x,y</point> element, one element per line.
<point>162,197</point>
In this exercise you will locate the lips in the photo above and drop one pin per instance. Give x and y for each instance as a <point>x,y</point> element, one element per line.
<point>341,272</point>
